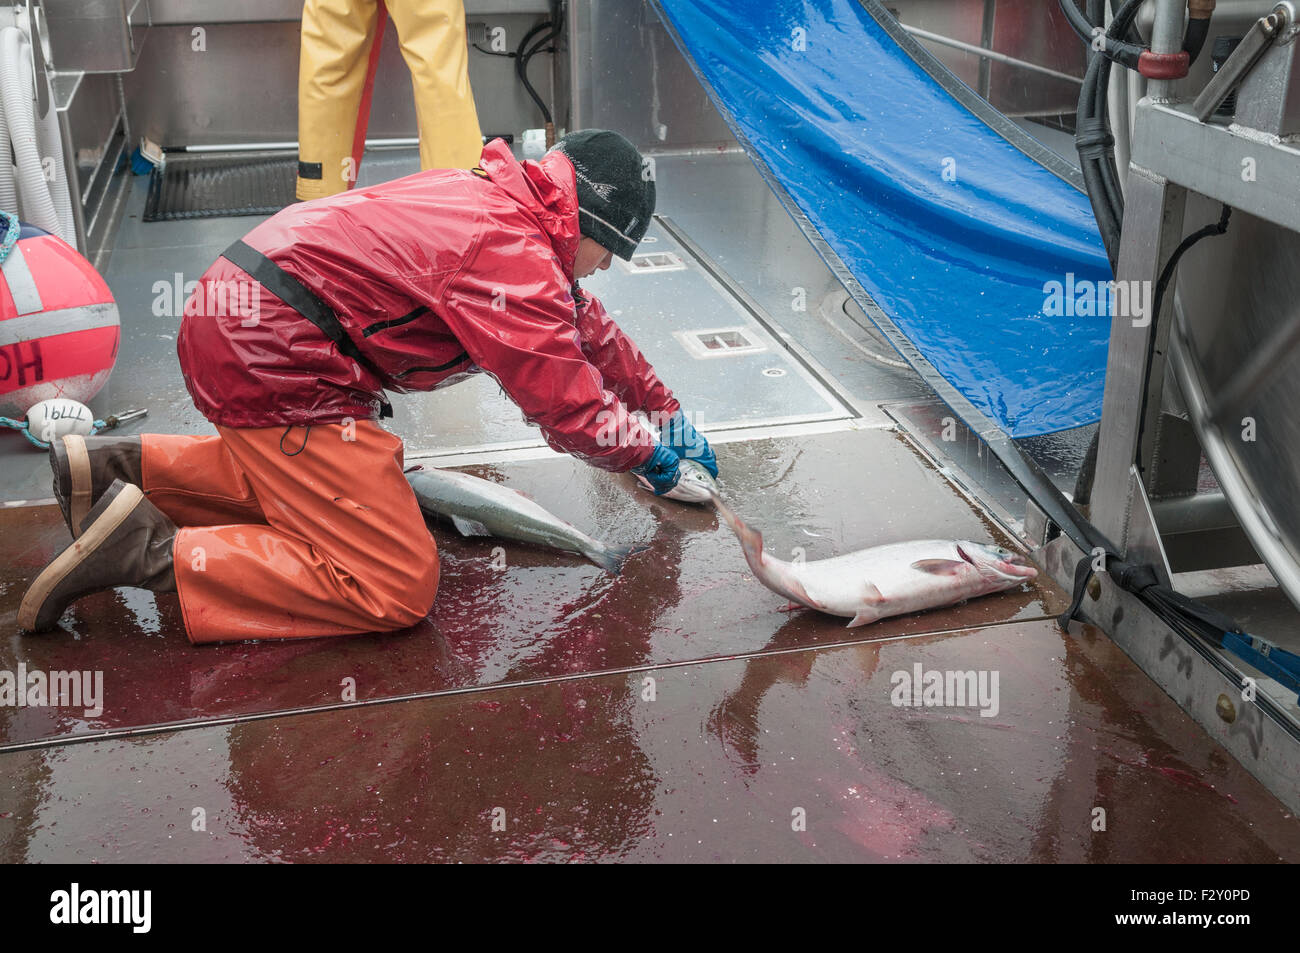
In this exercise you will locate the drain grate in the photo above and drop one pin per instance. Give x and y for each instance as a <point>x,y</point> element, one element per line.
<point>205,186</point>
<point>653,262</point>
<point>719,342</point>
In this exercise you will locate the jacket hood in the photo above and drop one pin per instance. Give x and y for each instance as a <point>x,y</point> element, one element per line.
<point>548,189</point>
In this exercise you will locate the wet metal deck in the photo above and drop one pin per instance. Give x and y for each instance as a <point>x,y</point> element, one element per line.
<point>527,690</point>
<point>671,713</point>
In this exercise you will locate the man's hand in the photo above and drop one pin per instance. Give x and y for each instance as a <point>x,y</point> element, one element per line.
<point>663,474</point>
<point>679,436</point>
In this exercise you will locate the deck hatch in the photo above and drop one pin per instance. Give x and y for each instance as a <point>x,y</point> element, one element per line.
<point>720,342</point>
<point>653,263</point>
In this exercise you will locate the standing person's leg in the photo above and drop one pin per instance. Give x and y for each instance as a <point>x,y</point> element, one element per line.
<point>345,549</point>
<point>432,34</point>
<point>336,72</point>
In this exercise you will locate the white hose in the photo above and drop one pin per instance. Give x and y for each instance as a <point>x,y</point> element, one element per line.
<point>43,200</point>
<point>8,190</point>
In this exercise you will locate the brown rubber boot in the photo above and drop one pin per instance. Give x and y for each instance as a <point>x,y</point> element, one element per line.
<point>125,541</point>
<point>84,467</point>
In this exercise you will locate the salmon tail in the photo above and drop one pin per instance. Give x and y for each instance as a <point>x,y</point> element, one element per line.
<point>751,540</point>
<point>778,576</point>
<point>611,558</point>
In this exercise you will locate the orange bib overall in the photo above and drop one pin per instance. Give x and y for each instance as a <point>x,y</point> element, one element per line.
<point>292,532</point>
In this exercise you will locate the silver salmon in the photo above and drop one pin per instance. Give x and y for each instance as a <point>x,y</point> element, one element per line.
<point>479,507</point>
<point>883,581</point>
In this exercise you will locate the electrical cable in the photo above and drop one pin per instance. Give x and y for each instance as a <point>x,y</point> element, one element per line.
<point>1114,47</point>
<point>523,53</point>
<point>1157,304</point>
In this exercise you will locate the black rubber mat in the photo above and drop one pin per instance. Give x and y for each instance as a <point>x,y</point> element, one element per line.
<point>211,186</point>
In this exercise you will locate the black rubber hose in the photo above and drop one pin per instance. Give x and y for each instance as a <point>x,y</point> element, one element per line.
<point>1106,156</point>
<point>1094,142</point>
<point>1157,305</point>
<point>1194,38</point>
<point>1131,32</point>
<point>1090,139</point>
<point>1116,48</point>
<point>1077,20</point>
<point>523,54</point>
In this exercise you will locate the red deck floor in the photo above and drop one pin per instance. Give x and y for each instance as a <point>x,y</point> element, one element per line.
<point>525,691</point>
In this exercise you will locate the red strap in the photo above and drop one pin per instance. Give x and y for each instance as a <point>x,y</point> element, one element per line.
<point>367,92</point>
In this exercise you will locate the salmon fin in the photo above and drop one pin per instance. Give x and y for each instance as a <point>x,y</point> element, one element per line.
<point>791,607</point>
<point>611,558</point>
<point>872,599</point>
<point>802,595</point>
<point>940,567</point>
<point>470,527</point>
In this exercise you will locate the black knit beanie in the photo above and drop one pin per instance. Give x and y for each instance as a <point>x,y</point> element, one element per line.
<point>616,195</point>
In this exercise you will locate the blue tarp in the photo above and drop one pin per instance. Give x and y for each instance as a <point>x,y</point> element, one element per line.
<point>860,137</point>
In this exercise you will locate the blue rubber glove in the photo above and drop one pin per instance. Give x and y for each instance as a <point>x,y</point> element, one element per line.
<point>679,436</point>
<point>664,474</point>
<point>661,471</point>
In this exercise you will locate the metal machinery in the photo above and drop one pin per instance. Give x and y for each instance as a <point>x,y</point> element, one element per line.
<point>1213,374</point>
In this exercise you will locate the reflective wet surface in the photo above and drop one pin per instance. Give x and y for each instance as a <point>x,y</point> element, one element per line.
<point>545,711</point>
<point>507,613</point>
<point>793,755</point>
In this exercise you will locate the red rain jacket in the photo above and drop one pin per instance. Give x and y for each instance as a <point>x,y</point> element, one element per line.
<point>434,276</point>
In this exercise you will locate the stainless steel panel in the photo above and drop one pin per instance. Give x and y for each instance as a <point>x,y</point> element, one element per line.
<point>205,12</point>
<point>627,74</point>
<point>243,86</point>
<point>89,110</point>
<point>1239,297</point>
<point>1211,159</point>
<point>1269,97</point>
<point>1027,30</point>
<point>96,36</point>
<point>959,19</point>
<point>90,102</point>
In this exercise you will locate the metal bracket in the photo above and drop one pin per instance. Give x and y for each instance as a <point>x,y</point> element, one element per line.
<point>1257,40</point>
<point>1142,540</point>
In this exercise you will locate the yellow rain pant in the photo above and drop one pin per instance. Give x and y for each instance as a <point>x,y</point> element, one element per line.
<point>336,74</point>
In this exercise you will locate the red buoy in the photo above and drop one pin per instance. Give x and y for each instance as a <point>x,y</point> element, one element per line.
<point>59,327</point>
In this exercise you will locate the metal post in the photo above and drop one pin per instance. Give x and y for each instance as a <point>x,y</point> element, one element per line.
<point>986,41</point>
<point>1166,37</point>
<point>1153,227</point>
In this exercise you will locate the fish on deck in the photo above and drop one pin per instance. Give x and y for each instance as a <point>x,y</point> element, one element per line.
<point>478,507</point>
<point>883,581</point>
